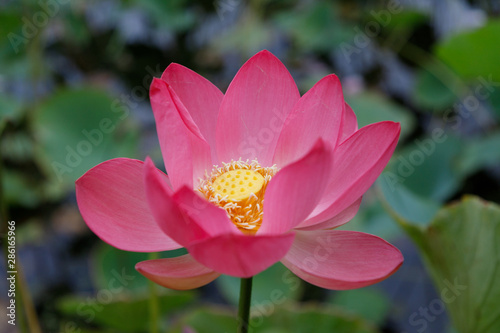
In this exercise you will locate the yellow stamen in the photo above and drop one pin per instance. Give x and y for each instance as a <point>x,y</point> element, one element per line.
<point>238,187</point>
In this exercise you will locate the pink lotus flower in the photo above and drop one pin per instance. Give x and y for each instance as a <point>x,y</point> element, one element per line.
<point>255,176</point>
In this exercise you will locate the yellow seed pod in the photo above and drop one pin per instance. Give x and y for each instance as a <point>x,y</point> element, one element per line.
<point>238,185</point>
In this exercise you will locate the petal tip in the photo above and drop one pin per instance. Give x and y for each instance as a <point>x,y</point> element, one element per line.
<point>156,86</point>
<point>173,66</point>
<point>264,54</point>
<point>265,51</point>
<point>149,167</point>
<point>332,77</point>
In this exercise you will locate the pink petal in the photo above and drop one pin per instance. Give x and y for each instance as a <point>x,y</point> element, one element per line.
<point>241,255</point>
<point>336,259</point>
<point>183,215</point>
<point>185,151</point>
<point>166,211</point>
<point>200,97</point>
<point>252,113</point>
<point>295,190</point>
<point>358,162</point>
<point>349,124</point>
<point>212,219</point>
<point>180,273</point>
<point>341,218</point>
<point>112,200</point>
<point>318,114</point>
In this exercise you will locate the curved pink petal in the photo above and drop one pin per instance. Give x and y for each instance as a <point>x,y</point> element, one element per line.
<point>180,273</point>
<point>183,215</point>
<point>185,151</point>
<point>358,161</point>
<point>317,114</point>
<point>349,124</point>
<point>340,260</point>
<point>241,255</point>
<point>200,97</point>
<point>168,215</point>
<point>295,190</point>
<point>212,219</point>
<point>252,112</point>
<point>112,200</point>
<point>341,218</point>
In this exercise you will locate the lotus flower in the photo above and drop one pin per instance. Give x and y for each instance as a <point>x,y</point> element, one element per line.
<point>255,176</point>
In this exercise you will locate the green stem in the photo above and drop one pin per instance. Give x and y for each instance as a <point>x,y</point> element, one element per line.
<point>153,302</point>
<point>27,302</point>
<point>244,306</point>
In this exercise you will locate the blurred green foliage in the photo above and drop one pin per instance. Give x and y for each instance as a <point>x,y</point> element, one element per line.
<point>366,303</point>
<point>92,127</point>
<point>472,54</point>
<point>460,248</point>
<point>371,108</point>
<point>282,319</point>
<point>109,310</point>
<point>272,287</point>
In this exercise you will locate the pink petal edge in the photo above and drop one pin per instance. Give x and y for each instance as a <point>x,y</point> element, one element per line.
<point>336,221</point>
<point>185,151</point>
<point>241,255</point>
<point>317,114</point>
<point>341,260</point>
<point>180,273</point>
<point>211,218</point>
<point>358,161</point>
<point>201,98</point>
<point>349,124</point>
<point>112,200</point>
<point>295,190</point>
<point>168,215</point>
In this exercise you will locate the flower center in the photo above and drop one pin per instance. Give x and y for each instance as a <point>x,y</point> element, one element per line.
<point>238,187</point>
